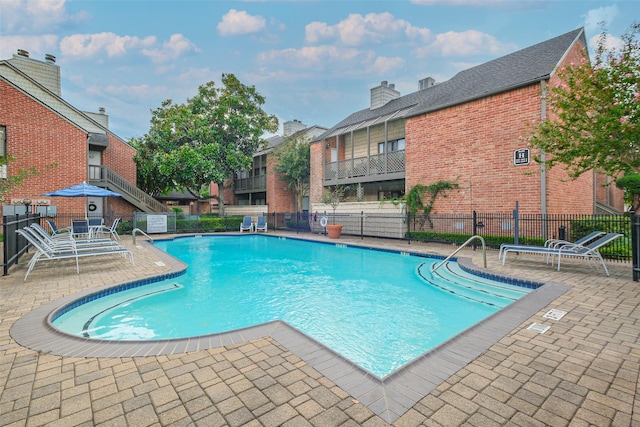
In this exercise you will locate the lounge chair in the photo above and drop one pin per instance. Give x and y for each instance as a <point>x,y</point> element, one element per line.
<point>62,241</point>
<point>586,252</point>
<point>58,231</point>
<point>261,224</point>
<point>80,228</point>
<point>553,243</point>
<point>44,252</point>
<point>247,224</point>
<point>111,231</point>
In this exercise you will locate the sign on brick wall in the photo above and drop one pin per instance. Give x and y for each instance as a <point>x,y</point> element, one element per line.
<point>521,157</point>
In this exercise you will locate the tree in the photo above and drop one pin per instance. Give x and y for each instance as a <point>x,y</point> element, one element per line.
<point>207,139</point>
<point>11,182</point>
<point>294,165</point>
<point>597,112</point>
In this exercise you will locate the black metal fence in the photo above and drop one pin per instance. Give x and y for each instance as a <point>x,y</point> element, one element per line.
<point>14,246</point>
<point>530,229</point>
<point>495,228</point>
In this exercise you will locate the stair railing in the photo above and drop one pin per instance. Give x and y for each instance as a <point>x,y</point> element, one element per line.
<point>472,238</point>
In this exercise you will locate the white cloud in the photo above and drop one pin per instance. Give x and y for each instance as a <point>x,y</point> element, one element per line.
<point>37,46</point>
<point>196,75</point>
<point>238,22</point>
<point>611,43</point>
<point>313,57</point>
<point>596,18</point>
<point>466,43</point>
<point>177,46</point>
<point>90,45</point>
<point>21,16</point>
<point>383,65</point>
<point>307,62</point>
<point>357,30</point>
<point>128,91</point>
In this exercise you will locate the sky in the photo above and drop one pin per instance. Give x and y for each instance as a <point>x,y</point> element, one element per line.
<point>313,61</point>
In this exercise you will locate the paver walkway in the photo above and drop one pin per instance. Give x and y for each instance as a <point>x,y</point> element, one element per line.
<point>582,371</point>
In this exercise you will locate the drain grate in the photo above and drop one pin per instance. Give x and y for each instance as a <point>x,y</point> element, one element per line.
<point>538,327</point>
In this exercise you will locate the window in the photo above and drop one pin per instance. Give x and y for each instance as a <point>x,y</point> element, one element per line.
<point>397,145</point>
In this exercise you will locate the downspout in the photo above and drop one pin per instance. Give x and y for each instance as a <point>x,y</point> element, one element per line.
<point>543,167</point>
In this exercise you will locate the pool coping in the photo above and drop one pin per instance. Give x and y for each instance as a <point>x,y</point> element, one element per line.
<point>389,397</point>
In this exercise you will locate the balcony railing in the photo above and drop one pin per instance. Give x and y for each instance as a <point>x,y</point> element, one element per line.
<point>253,183</point>
<point>389,165</point>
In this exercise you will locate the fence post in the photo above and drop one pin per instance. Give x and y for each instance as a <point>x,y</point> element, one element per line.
<point>635,245</point>
<point>409,226</point>
<point>361,225</point>
<point>515,225</point>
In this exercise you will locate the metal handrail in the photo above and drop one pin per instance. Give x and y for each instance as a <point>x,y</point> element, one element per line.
<point>484,252</point>
<point>141,232</point>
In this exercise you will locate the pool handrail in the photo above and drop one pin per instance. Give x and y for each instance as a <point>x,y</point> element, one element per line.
<point>133,232</point>
<point>484,252</point>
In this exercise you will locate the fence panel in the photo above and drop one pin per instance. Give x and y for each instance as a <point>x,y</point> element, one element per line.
<point>14,246</point>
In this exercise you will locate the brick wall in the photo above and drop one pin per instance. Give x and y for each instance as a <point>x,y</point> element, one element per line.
<point>119,158</point>
<point>38,137</point>
<point>473,144</point>
<point>279,197</point>
<point>318,150</point>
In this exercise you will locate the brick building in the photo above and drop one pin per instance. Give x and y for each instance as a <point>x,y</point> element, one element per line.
<point>38,128</point>
<point>465,130</point>
<point>261,187</point>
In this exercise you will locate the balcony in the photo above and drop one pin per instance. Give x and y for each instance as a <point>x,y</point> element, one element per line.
<point>250,184</point>
<point>380,167</point>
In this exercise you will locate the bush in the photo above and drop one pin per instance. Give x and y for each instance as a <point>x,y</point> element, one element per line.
<point>208,223</point>
<point>492,241</point>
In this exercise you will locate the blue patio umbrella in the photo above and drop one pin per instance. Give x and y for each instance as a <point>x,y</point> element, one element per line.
<point>82,190</point>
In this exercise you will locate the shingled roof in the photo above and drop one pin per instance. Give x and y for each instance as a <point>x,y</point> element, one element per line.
<point>521,68</point>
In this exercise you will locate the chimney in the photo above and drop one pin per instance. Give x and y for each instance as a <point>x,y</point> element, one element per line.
<point>382,94</point>
<point>426,83</point>
<point>102,110</point>
<point>50,59</point>
<point>292,126</point>
<point>23,52</point>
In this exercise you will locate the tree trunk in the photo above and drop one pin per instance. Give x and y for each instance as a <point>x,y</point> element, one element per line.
<point>221,198</point>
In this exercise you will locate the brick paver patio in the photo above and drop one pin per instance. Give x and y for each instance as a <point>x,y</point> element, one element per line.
<point>582,371</point>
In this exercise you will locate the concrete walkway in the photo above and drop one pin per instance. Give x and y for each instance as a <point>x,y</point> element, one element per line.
<point>582,371</point>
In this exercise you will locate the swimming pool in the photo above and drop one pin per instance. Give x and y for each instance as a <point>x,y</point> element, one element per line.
<point>378,309</point>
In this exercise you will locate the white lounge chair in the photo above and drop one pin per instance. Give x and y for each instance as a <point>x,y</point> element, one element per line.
<point>586,252</point>
<point>111,231</point>
<point>58,231</point>
<point>247,224</point>
<point>44,252</point>
<point>261,225</point>
<point>62,241</point>
<point>553,243</point>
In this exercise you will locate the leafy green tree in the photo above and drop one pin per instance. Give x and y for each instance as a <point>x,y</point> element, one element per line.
<point>597,112</point>
<point>207,139</point>
<point>293,163</point>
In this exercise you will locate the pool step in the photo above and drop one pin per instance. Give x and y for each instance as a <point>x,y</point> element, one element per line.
<point>451,278</point>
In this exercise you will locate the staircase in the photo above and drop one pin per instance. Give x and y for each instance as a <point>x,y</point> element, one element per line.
<point>102,176</point>
<point>604,209</point>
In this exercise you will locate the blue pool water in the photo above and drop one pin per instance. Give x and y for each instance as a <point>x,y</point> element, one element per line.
<point>376,308</point>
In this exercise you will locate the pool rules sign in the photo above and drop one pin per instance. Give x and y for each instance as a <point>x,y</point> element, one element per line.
<point>521,157</point>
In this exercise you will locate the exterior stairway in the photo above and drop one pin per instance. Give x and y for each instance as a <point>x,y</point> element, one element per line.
<point>102,176</point>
